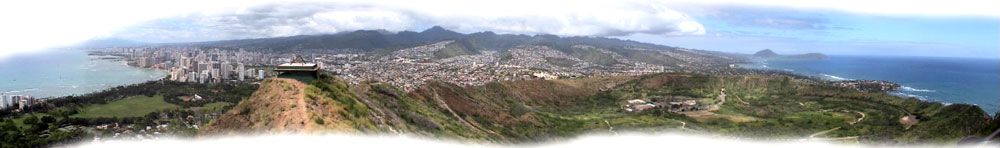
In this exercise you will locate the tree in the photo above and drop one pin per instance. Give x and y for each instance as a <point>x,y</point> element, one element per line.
<point>30,120</point>
<point>48,119</point>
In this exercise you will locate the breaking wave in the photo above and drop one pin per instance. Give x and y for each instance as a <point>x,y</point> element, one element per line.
<point>834,77</point>
<point>907,88</point>
<point>23,90</point>
<point>924,98</point>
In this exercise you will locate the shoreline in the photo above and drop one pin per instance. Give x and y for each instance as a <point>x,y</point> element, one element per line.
<point>124,63</point>
<point>903,91</point>
<point>103,86</point>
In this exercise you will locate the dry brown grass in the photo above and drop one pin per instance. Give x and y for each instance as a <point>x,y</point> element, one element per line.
<point>280,105</point>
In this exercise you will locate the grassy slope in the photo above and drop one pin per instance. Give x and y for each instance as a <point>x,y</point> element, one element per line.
<point>527,111</point>
<point>591,55</point>
<point>215,107</point>
<point>19,121</point>
<point>134,106</point>
<point>787,108</point>
<point>457,48</point>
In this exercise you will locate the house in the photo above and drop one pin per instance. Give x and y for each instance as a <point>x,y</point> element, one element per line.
<point>544,75</point>
<point>683,106</point>
<point>643,107</point>
<point>640,107</point>
<point>636,101</point>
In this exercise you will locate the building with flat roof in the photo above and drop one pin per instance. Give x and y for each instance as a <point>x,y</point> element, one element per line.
<point>298,69</point>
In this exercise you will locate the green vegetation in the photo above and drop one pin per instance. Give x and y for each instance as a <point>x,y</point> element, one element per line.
<point>338,91</point>
<point>19,121</point>
<point>785,107</point>
<point>591,55</point>
<point>134,106</point>
<point>457,48</point>
<point>32,136</point>
<point>59,120</point>
<point>216,107</point>
<point>758,107</point>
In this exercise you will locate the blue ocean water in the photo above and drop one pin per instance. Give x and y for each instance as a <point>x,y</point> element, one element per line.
<point>946,80</point>
<point>66,72</point>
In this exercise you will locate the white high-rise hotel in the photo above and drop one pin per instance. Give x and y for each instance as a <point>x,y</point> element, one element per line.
<point>4,101</point>
<point>240,69</point>
<point>7,101</point>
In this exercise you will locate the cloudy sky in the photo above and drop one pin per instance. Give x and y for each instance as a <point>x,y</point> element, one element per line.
<point>953,29</point>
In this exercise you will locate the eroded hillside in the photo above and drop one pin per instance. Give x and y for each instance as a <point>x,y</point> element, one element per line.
<point>288,105</point>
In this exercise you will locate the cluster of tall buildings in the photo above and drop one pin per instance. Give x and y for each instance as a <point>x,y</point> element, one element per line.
<point>16,101</point>
<point>200,66</point>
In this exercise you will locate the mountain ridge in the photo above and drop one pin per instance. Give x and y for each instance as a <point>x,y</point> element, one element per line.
<point>380,43</point>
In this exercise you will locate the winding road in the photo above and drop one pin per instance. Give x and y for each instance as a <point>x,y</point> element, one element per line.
<point>813,136</point>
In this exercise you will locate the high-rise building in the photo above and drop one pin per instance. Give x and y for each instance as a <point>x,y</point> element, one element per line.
<point>181,61</point>
<point>251,73</point>
<point>215,76</point>
<point>225,70</point>
<point>174,75</point>
<point>203,78</point>
<point>168,65</point>
<point>3,101</point>
<point>192,77</point>
<point>240,69</point>
<point>142,62</point>
<point>23,101</point>
<point>150,62</point>
<point>260,74</point>
<point>203,67</point>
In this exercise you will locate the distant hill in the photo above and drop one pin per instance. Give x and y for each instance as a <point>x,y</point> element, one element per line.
<point>768,54</point>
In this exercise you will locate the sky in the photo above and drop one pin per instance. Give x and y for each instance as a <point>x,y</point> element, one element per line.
<point>893,28</point>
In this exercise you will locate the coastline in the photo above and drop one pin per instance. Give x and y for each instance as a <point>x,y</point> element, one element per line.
<point>125,62</point>
<point>74,86</point>
<point>962,85</point>
<point>833,78</point>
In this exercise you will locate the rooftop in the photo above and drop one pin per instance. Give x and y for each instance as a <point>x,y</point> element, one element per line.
<point>297,64</point>
<point>297,67</point>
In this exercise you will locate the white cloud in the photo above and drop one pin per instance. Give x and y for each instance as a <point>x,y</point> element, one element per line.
<point>38,24</point>
<point>875,7</point>
<point>591,18</point>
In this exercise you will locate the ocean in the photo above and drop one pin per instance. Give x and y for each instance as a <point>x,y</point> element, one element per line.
<point>947,80</point>
<point>54,73</point>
